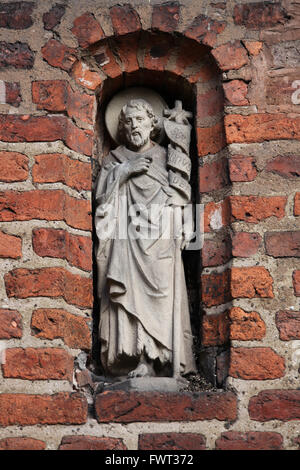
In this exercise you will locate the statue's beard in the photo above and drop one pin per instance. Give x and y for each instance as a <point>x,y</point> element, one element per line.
<point>137,139</point>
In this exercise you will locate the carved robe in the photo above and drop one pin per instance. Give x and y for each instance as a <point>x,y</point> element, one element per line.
<point>136,273</point>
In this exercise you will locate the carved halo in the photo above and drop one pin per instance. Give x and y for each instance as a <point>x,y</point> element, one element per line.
<point>120,99</point>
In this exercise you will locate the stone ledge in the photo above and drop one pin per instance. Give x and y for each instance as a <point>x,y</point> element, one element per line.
<point>128,407</point>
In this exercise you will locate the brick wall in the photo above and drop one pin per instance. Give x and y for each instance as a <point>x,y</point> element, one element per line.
<point>235,66</point>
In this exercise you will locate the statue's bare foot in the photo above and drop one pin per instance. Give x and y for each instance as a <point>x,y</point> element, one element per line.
<point>142,370</point>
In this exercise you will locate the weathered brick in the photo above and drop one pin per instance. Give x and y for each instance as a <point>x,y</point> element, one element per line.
<point>57,167</point>
<point>158,52</point>
<point>59,55</point>
<point>27,409</point>
<point>10,246</point>
<point>297,204</point>
<point>242,168</point>
<point>50,94</point>
<point>128,407</point>
<point>210,103</point>
<point>215,329</point>
<point>216,288</point>
<point>213,176</point>
<point>105,58</point>
<point>216,215</point>
<point>216,252</point>
<point>253,47</point>
<point>279,90</point>
<point>10,324</point>
<point>250,282</point>
<point>205,30</point>
<point>87,30</point>
<point>38,364</point>
<point>80,105</point>
<point>236,92</point>
<point>91,443</point>
<point>259,15</point>
<point>188,63</point>
<point>267,405</point>
<point>171,441</point>
<point>21,443</point>
<point>287,166</point>
<point>127,48</point>
<point>18,55</point>
<point>86,77</point>
<point>282,244</point>
<point>261,127</point>
<point>288,324</point>
<point>210,139</point>
<point>124,19</point>
<point>256,364</point>
<point>245,244</point>
<point>16,15</point>
<point>165,17</point>
<point>45,205</point>
<point>79,140</point>
<point>51,323</point>
<point>49,282</point>
<point>13,94</point>
<point>230,56</point>
<point>296,282</point>
<point>251,440</point>
<point>76,249</point>
<point>246,326</point>
<point>52,17</point>
<point>253,209</point>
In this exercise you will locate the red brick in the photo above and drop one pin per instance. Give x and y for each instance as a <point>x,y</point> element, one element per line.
<point>91,443</point>
<point>18,55</point>
<point>267,405</point>
<point>230,56</point>
<point>127,48</point>
<point>215,329</point>
<point>236,92</point>
<point>130,407</point>
<point>52,17</point>
<point>21,443</point>
<point>288,324</point>
<point>45,205</point>
<point>10,324</point>
<point>55,243</point>
<point>253,209</point>
<point>51,323</point>
<point>296,282</point>
<point>188,63</point>
<point>259,15</point>
<point>246,326</point>
<point>251,440</point>
<point>245,244</point>
<point>216,215</point>
<point>105,58</point>
<point>216,288</point>
<point>251,282</point>
<point>171,441</point>
<point>77,139</point>
<point>166,17</point>
<point>158,52</point>
<point>38,364</point>
<point>10,246</point>
<point>26,410</point>
<point>57,167</point>
<point>13,93</point>
<point>297,204</point>
<point>16,15</point>
<point>261,127</point>
<point>216,252</point>
<point>124,19</point>
<point>282,244</point>
<point>205,30</point>
<point>287,166</point>
<point>86,77</point>
<point>253,47</point>
<point>87,30</point>
<point>256,364</point>
<point>50,94</point>
<point>242,168</point>
<point>213,176</point>
<point>59,55</point>
<point>210,139</point>
<point>49,282</point>
<point>80,105</point>
<point>210,103</point>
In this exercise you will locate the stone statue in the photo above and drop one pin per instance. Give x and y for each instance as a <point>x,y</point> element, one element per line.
<point>144,325</point>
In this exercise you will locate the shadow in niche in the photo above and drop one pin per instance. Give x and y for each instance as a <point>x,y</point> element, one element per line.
<point>171,87</point>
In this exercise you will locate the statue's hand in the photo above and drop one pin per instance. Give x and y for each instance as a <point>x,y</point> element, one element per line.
<point>137,166</point>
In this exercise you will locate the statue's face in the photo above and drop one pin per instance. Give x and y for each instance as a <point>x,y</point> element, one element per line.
<point>137,127</point>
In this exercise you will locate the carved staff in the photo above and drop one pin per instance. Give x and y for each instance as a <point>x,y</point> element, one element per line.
<point>178,130</point>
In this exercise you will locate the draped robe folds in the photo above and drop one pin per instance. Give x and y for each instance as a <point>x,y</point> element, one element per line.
<point>136,267</point>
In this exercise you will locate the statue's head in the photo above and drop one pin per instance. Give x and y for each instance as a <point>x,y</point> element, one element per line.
<point>137,123</point>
